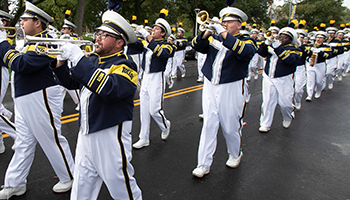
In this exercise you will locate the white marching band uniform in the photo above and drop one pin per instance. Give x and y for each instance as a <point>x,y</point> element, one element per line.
<point>38,108</point>
<point>224,90</point>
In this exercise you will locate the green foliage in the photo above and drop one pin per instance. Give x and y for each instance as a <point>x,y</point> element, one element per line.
<point>316,12</point>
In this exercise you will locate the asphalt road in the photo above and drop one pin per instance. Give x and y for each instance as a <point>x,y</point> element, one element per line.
<point>310,160</point>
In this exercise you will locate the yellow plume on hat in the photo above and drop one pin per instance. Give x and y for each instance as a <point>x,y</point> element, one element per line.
<point>180,23</point>
<point>342,25</point>
<point>273,22</point>
<point>244,23</point>
<point>322,25</point>
<point>347,24</point>
<point>67,12</point>
<point>303,22</point>
<point>295,22</point>
<point>173,29</point>
<point>332,21</point>
<point>134,17</point>
<point>164,11</point>
<point>146,21</point>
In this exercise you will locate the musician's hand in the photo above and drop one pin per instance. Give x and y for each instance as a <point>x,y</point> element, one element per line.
<point>217,27</point>
<point>316,51</point>
<point>276,44</point>
<point>216,19</point>
<point>143,32</point>
<point>268,42</point>
<point>72,52</point>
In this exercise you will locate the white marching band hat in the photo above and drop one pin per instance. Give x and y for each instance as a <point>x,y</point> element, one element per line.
<point>232,13</point>
<point>181,30</point>
<point>254,30</point>
<point>331,30</point>
<point>68,24</point>
<point>162,23</point>
<point>113,22</point>
<point>341,32</point>
<point>321,34</point>
<point>290,32</point>
<point>302,32</point>
<point>5,16</point>
<point>34,12</point>
<point>274,28</point>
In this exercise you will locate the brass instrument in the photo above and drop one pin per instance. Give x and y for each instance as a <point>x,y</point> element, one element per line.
<point>139,27</point>
<point>269,36</point>
<point>313,58</point>
<point>9,28</point>
<point>204,20</point>
<point>52,45</point>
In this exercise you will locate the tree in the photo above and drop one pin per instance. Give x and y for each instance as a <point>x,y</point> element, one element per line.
<point>316,12</point>
<point>80,16</point>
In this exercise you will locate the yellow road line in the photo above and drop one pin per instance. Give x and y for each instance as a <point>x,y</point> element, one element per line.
<point>74,117</point>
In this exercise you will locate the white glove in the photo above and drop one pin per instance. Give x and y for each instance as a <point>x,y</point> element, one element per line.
<point>66,37</point>
<point>316,51</point>
<point>216,19</point>
<point>71,52</point>
<point>143,32</point>
<point>217,27</point>
<point>268,42</point>
<point>276,44</point>
<point>3,35</point>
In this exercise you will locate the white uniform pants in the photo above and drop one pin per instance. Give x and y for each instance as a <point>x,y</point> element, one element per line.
<point>7,127</point>
<point>223,105</point>
<point>253,65</point>
<point>38,120</point>
<point>3,88</point>
<point>105,156</point>
<point>168,69</point>
<point>315,78</point>
<point>341,64</point>
<point>178,59</point>
<point>276,91</point>
<point>299,82</point>
<point>331,65</point>
<point>201,57</point>
<point>151,103</point>
<point>138,60</point>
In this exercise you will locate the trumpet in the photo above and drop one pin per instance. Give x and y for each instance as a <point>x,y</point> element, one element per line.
<point>269,36</point>
<point>204,20</point>
<point>50,46</point>
<point>9,28</point>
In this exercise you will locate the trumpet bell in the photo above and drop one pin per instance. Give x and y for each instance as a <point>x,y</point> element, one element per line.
<point>202,17</point>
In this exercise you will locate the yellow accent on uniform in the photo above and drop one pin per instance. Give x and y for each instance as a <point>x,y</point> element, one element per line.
<point>41,49</point>
<point>125,71</point>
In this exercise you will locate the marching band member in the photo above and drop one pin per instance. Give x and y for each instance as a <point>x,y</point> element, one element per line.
<point>300,72</point>
<point>6,125</point>
<point>277,87</point>
<point>332,61</point>
<point>201,57</point>
<point>67,30</point>
<point>225,88</point>
<point>170,64</point>
<point>254,63</point>
<point>316,64</point>
<point>107,81</point>
<point>156,54</point>
<point>181,43</point>
<point>274,29</point>
<point>38,108</point>
<point>340,71</point>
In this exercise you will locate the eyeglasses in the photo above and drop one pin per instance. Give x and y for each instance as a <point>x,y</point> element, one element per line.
<point>104,35</point>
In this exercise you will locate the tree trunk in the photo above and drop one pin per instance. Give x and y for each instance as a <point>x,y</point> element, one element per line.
<point>80,17</point>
